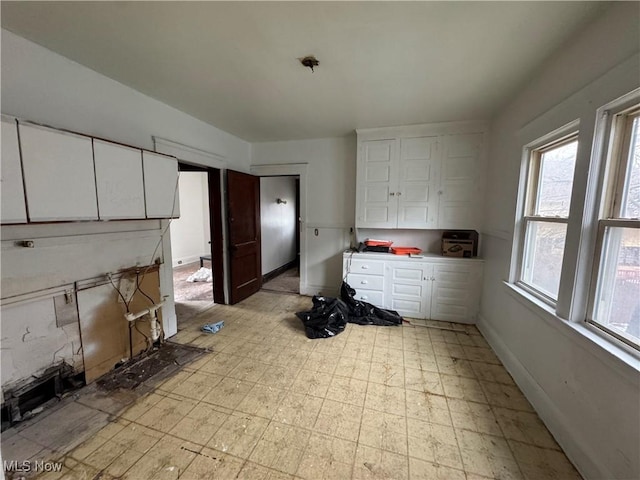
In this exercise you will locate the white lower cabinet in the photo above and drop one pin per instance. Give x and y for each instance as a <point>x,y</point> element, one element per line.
<point>366,276</point>
<point>407,288</point>
<point>433,287</point>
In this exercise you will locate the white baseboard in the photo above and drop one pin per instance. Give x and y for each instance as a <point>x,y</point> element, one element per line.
<point>178,262</point>
<point>580,454</point>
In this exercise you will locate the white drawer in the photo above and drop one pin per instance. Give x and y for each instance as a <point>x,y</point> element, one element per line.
<point>367,282</point>
<point>368,267</point>
<point>370,296</point>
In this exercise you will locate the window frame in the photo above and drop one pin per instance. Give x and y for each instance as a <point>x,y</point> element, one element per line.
<point>528,198</point>
<point>617,116</point>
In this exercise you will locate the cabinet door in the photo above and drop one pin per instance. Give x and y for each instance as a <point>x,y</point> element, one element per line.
<point>418,182</point>
<point>408,288</point>
<point>455,292</point>
<point>377,184</point>
<point>58,174</point>
<point>12,188</point>
<point>118,181</point>
<point>460,183</point>
<point>161,185</point>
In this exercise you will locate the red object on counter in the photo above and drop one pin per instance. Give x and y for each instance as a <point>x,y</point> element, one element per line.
<point>405,250</point>
<point>370,242</point>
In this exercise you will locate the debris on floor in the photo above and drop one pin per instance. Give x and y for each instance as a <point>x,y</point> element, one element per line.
<point>204,274</point>
<point>212,327</point>
<point>159,363</point>
<point>329,316</point>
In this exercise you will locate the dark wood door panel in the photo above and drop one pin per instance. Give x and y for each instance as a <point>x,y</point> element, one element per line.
<point>243,198</point>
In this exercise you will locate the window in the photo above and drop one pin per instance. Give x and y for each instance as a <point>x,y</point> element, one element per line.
<point>615,296</point>
<point>550,164</point>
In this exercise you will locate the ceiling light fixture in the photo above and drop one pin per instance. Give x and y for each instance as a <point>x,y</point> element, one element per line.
<point>309,61</point>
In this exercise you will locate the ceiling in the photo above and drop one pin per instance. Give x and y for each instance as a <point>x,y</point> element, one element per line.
<point>235,64</point>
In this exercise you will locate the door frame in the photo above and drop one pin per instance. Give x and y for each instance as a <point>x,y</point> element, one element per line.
<point>214,190</point>
<point>197,157</point>
<point>292,170</point>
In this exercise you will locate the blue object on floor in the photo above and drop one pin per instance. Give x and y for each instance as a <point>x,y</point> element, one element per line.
<point>212,327</point>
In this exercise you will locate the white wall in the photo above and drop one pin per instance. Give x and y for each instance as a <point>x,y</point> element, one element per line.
<point>44,87</point>
<point>278,222</point>
<point>331,197</point>
<point>588,397</point>
<point>190,234</point>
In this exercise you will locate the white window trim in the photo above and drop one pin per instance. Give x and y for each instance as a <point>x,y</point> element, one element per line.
<point>596,207</point>
<point>519,237</point>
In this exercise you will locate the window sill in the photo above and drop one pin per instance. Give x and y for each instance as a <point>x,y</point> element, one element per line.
<point>586,336</point>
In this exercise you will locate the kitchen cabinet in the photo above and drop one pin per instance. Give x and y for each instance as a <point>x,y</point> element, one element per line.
<point>160,185</point>
<point>119,181</point>
<point>432,287</point>
<point>408,288</point>
<point>366,276</point>
<point>13,207</point>
<point>460,192</point>
<point>420,177</point>
<point>59,175</point>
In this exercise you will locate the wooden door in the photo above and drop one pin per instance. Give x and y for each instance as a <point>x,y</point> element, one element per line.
<point>243,200</point>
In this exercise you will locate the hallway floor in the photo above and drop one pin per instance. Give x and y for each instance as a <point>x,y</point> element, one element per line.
<point>404,402</point>
<point>287,282</point>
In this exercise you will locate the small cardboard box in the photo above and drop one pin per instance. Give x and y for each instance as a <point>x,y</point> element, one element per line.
<point>457,248</point>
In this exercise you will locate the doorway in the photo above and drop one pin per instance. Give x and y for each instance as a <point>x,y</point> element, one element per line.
<point>280,225</point>
<point>196,242</point>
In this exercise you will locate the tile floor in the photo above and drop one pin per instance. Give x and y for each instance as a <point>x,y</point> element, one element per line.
<point>406,402</point>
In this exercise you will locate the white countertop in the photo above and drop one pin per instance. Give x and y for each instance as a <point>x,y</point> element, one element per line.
<point>430,257</point>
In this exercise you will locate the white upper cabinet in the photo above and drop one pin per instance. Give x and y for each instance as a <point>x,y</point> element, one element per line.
<point>119,181</point>
<point>161,185</point>
<point>461,191</point>
<point>377,184</point>
<point>421,176</point>
<point>417,190</point>
<point>11,186</point>
<point>58,174</point>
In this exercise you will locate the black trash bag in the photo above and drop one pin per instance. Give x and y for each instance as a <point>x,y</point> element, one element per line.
<point>327,318</point>
<point>364,313</point>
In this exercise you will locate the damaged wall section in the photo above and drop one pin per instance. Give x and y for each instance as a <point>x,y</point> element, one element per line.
<point>35,334</point>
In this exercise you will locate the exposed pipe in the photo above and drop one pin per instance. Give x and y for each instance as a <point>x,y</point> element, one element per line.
<point>152,311</point>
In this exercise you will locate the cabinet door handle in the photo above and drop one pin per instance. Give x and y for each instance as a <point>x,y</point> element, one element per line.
<point>433,279</point>
<point>399,193</point>
<point>364,282</point>
<point>363,297</point>
<point>365,267</point>
<point>392,194</point>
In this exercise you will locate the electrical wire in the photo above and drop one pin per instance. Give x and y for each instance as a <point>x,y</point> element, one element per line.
<point>164,232</point>
<point>344,279</point>
<point>126,304</point>
<point>147,339</point>
<point>138,289</point>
